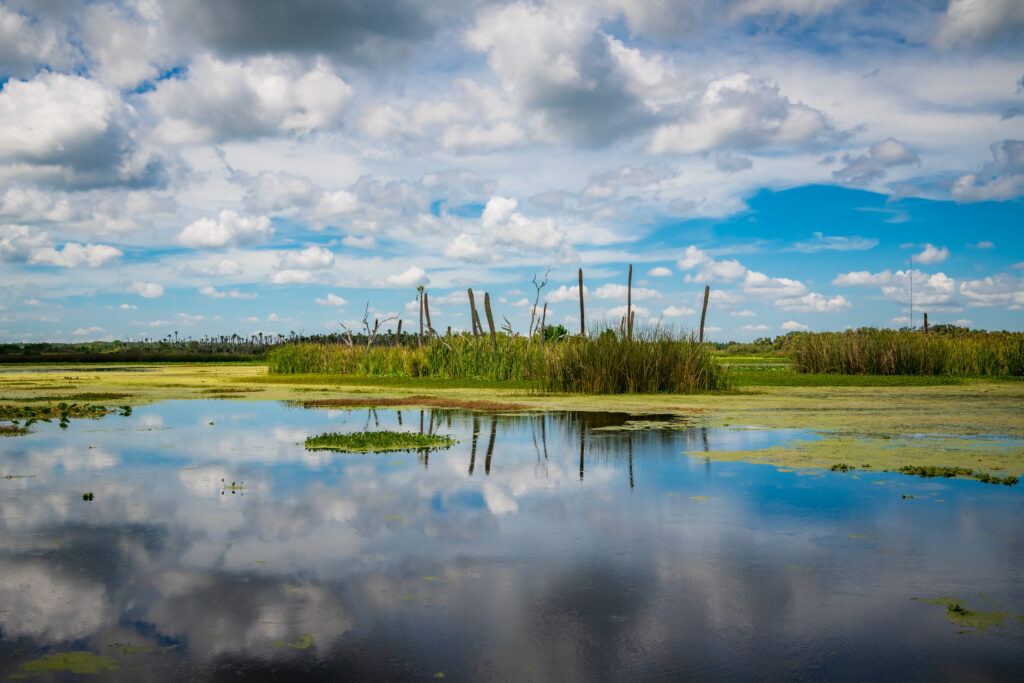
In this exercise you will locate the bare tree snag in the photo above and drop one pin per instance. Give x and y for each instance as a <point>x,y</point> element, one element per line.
<point>474,319</point>
<point>543,328</point>
<point>490,320</point>
<point>704,311</point>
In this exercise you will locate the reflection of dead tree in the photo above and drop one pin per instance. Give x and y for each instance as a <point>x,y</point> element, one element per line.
<point>490,446</point>
<point>472,452</point>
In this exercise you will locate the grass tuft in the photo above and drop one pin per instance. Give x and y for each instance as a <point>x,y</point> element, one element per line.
<point>378,442</point>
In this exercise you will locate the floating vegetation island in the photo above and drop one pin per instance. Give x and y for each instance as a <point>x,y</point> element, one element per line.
<point>378,442</point>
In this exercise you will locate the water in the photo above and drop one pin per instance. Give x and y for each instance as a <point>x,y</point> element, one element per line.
<point>545,548</point>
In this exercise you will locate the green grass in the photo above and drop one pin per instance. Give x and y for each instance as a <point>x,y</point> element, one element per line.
<point>378,442</point>
<point>786,377</point>
<point>870,351</point>
<point>655,360</point>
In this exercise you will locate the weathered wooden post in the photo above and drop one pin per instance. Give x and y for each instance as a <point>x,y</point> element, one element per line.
<point>426,310</point>
<point>583,324</point>
<point>473,318</point>
<point>419,292</point>
<point>629,304</point>
<point>543,319</point>
<point>490,320</point>
<point>704,311</point>
<point>399,333</point>
<point>926,323</point>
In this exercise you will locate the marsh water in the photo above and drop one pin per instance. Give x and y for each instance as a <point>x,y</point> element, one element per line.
<point>542,546</point>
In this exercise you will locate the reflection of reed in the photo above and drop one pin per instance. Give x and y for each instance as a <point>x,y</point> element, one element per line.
<point>583,441</point>
<point>631,461</point>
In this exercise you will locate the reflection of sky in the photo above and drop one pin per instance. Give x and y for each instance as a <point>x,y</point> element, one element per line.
<point>650,564</point>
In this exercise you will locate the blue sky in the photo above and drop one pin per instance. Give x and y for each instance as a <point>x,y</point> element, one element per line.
<point>221,168</point>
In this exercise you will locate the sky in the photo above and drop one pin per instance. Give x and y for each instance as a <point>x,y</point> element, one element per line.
<point>254,166</point>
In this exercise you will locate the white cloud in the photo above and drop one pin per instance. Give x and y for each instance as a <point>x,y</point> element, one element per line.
<point>232,294</point>
<point>292,277</point>
<point>618,292</point>
<point>998,290</point>
<point>985,244</point>
<point>963,322</point>
<point>872,166</point>
<point>755,328</point>
<point>226,267</point>
<point>220,100</point>
<point>813,303</point>
<point>792,325</point>
<point>932,254</point>
<point>740,112</point>
<point>676,311</point>
<point>411,277</point>
<point>660,271</point>
<point>762,286</point>
<point>618,312</point>
<point>467,248</point>
<point>710,270</point>
<point>73,255</point>
<point>978,22</point>
<point>332,300</point>
<point>93,331</point>
<point>128,307</point>
<point>823,242</point>
<point>311,258</point>
<point>1001,179</point>
<point>743,314</point>
<point>147,290</point>
<point>564,293</point>
<point>365,242</point>
<point>229,228</point>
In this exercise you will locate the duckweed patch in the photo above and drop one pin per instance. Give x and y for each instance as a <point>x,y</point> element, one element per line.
<point>304,641</point>
<point>930,471</point>
<point>378,441</point>
<point>958,613</point>
<point>78,662</point>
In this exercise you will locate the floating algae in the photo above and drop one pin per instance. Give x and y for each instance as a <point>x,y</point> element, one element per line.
<point>304,641</point>
<point>957,613</point>
<point>78,662</point>
<point>378,442</point>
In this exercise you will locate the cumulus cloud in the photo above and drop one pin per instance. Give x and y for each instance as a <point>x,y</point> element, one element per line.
<point>619,312</point>
<point>413,276</point>
<point>676,311</point>
<point>555,65</point>
<point>659,271</point>
<point>740,112</point>
<point>364,242</point>
<point>27,43</point>
<point>730,162</point>
<point>564,293</point>
<point>755,328</point>
<point>71,131</point>
<point>792,326</point>
<point>743,314</point>
<point>229,228</point>
<point>263,96</point>
<point>999,290</point>
<point>332,300</point>
<point>974,22</point>
<point>226,267</point>
<point>932,254</point>
<point>501,226</point>
<point>763,286</point>
<point>147,290</point>
<point>292,276</point>
<point>311,258</point>
<point>726,270</point>
<point>607,185</point>
<point>813,303</point>
<point>872,166</point>
<point>73,255</point>
<point>1001,179</point>
<point>232,294</point>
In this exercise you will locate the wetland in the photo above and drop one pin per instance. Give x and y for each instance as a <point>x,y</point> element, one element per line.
<point>551,537</point>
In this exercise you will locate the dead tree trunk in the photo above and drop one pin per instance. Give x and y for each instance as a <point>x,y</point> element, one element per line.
<point>426,311</point>
<point>926,323</point>
<point>420,297</point>
<point>399,333</point>
<point>474,320</point>
<point>704,311</point>
<point>543,320</point>
<point>583,324</point>
<point>490,320</point>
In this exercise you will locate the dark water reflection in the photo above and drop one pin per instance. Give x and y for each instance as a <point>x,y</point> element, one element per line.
<point>541,547</point>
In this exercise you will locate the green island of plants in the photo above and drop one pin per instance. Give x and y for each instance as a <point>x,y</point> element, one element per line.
<point>378,442</point>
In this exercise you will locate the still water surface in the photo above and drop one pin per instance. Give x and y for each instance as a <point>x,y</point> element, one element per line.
<point>540,547</point>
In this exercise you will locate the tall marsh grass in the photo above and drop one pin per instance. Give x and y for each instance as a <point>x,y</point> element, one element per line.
<point>870,351</point>
<point>655,360</point>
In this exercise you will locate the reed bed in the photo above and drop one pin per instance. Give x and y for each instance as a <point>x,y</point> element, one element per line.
<point>654,360</point>
<point>870,351</point>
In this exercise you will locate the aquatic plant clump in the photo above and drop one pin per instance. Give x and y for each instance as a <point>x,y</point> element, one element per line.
<point>870,351</point>
<point>653,360</point>
<point>379,441</point>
